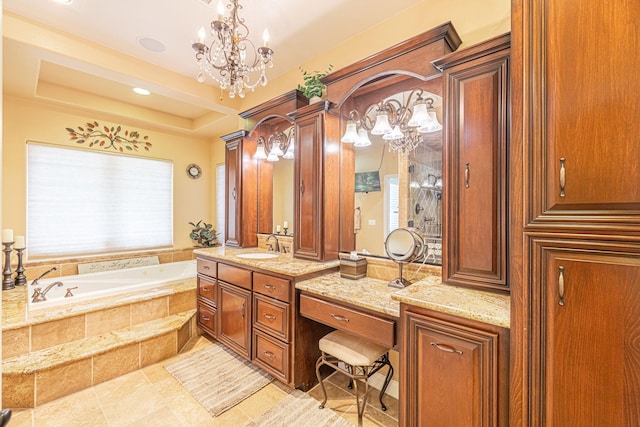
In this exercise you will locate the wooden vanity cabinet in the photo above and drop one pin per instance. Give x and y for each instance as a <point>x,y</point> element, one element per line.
<point>454,371</point>
<point>316,232</point>
<point>476,130</point>
<point>241,193</point>
<point>207,295</point>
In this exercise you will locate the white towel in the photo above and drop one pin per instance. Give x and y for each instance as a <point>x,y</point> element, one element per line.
<point>356,219</point>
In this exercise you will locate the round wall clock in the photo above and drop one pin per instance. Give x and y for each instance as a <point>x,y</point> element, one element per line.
<point>194,171</point>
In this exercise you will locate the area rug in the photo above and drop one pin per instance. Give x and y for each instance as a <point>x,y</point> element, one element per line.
<point>218,378</point>
<point>300,410</point>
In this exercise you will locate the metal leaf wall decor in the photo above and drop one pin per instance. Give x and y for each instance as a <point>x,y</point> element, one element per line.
<point>109,137</point>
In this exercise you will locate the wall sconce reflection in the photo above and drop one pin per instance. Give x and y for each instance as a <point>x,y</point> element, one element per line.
<point>279,144</point>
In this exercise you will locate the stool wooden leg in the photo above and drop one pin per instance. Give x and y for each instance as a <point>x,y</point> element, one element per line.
<point>319,363</point>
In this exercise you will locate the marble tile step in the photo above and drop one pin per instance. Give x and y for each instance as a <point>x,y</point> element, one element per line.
<point>91,346</point>
<point>41,376</point>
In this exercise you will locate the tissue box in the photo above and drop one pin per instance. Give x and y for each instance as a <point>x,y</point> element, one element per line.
<point>353,268</point>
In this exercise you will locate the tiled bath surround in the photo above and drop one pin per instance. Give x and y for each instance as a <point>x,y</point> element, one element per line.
<point>53,352</point>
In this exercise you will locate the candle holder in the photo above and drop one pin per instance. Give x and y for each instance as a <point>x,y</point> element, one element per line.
<point>285,230</point>
<point>21,279</point>
<point>278,232</point>
<point>7,281</point>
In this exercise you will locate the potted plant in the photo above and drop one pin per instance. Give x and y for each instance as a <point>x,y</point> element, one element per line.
<point>313,87</point>
<point>203,235</point>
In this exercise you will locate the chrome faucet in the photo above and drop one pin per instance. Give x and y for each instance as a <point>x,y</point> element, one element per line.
<point>271,248</point>
<point>39,294</point>
<point>35,282</point>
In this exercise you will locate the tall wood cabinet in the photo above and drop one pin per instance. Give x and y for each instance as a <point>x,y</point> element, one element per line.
<point>576,162</point>
<point>241,194</point>
<point>317,183</point>
<point>476,92</point>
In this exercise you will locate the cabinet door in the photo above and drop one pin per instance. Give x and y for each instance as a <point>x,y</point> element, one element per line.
<point>589,358</point>
<point>234,317</point>
<point>475,199</point>
<point>451,374</point>
<point>584,110</point>
<point>308,187</point>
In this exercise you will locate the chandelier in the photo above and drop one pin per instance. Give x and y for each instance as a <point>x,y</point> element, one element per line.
<point>280,144</point>
<point>231,59</point>
<point>401,125</point>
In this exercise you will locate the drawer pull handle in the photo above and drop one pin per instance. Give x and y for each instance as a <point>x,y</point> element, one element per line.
<point>340,318</point>
<point>561,285</point>
<point>446,348</point>
<point>563,177</point>
<point>269,355</point>
<point>466,176</point>
<point>206,290</point>
<point>205,267</point>
<point>205,318</point>
<point>302,187</point>
<point>244,304</point>
<point>270,287</point>
<point>234,193</point>
<point>269,316</point>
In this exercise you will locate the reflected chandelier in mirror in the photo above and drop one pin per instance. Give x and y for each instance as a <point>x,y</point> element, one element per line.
<point>279,144</point>
<point>400,124</point>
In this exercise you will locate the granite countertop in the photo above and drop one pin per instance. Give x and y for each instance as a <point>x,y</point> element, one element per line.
<point>284,263</point>
<point>430,293</point>
<point>16,313</point>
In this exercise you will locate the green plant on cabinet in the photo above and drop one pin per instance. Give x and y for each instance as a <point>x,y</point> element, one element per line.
<point>203,235</point>
<point>312,85</point>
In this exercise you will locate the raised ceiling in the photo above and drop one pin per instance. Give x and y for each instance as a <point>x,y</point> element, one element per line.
<point>88,52</point>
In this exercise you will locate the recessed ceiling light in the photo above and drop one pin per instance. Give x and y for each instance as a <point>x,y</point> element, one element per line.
<point>151,44</point>
<point>141,91</point>
<point>63,1</point>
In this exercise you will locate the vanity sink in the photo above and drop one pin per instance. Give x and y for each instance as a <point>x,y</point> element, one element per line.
<point>257,255</point>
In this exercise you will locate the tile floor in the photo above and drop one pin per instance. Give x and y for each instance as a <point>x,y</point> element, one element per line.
<point>152,397</point>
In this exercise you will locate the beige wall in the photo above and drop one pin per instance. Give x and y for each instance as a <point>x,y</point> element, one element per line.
<point>25,120</point>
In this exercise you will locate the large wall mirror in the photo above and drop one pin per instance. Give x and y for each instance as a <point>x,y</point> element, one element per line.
<point>276,144</point>
<point>395,126</point>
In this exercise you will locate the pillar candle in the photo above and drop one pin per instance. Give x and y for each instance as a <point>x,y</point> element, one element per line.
<point>286,224</point>
<point>19,243</point>
<point>278,228</point>
<point>7,235</point>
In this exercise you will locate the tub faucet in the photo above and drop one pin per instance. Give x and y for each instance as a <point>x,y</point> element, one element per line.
<point>271,248</point>
<point>39,294</point>
<point>35,281</point>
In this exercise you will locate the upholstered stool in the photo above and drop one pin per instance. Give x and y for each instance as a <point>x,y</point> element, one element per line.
<point>361,358</point>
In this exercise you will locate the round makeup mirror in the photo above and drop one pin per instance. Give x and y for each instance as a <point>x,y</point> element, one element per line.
<point>403,245</point>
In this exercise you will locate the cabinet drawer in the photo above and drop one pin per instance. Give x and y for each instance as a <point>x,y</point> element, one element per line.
<point>272,286</point>
<point>272,316</point>
<point>207,289</point>
<point>207,267</point>
<point>376,329</point>
<point>235,275</point>
<point>206,318</point>
<point>271,354</point>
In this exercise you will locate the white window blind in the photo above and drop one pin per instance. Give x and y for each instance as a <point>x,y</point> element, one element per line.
<point>85,202</point>
<point>392,203</point>
<point>220,189</point>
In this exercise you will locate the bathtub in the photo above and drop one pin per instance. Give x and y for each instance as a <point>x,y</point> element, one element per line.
<point>108,283</point>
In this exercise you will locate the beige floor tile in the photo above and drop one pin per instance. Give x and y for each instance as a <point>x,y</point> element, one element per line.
<point>261,401</point>
<point>116,388</point>
<point>232,417</point>
<point>77,409</point>
<point>21,418</point>
<point>163,417</point>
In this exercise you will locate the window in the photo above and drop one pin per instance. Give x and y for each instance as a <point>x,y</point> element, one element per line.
<point>391,204</point>
<point>84,202</point>
<point>220,189</point>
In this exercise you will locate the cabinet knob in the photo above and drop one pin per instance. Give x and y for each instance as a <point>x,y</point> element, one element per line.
<point>446,348</point>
